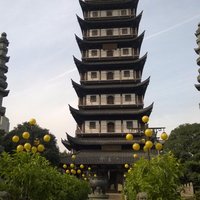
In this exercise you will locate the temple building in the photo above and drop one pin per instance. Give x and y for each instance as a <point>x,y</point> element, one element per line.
<point>4,122</point>
<point>111,89</point>
<point>197,50</point>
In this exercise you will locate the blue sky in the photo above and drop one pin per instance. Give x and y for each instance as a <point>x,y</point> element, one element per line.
<point>42,43</point>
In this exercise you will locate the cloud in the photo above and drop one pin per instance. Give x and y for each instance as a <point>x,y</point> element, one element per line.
<point>172,27</point>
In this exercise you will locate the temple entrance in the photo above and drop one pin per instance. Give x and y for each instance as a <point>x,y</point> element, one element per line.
<point>115,181</point>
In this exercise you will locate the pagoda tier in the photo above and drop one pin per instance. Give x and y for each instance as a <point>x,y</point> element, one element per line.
<point>111,23</point>
<point>101,44</point>
<point>3,69</point>
<point>97,142</point>
<point>109,114</point>
<point>136,64</point>
<point>102,5</point>
<point>113,88</point>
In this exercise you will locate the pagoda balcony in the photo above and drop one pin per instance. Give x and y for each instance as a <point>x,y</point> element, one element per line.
<point>88,82</point>
<point>134,35</point>
<point>109,58</point>
<point>138,105</point>
<point>198,61</point>
<point>88,17</point>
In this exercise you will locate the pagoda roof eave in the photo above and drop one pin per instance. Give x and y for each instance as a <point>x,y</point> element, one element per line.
<point>114,23</point>
<point>130,64</point>
<point>139,88</point>
<point>134,42</point>
<point>197,86</point>
<point>66,144</point>
<point>104,114</point>
<point>75,141</point>
<point>105,158</point>
<point>87,6</point>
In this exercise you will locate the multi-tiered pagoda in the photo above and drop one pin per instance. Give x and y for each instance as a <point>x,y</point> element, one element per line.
<point>4,122</point>
<point>197,50</point>
<point>111,90</point>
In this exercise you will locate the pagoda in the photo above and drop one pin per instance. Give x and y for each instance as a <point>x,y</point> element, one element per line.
<point>4,121</point>
<point>197,50</point>
<point>111,90</point>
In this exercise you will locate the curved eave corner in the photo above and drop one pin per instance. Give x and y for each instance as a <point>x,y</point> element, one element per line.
<point>77,88</point>
<point>81,23</point>
<point>78,64</point>
<point>197,86</point>
<point>145,84</point>
<point>66,144</point>
<point>147,111</point>
<point>76,115</point>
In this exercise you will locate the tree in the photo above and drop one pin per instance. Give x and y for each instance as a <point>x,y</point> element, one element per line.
<point>28,176</point>
<point>158,177</point>
<point>36,132</point>
<point>184,143</point>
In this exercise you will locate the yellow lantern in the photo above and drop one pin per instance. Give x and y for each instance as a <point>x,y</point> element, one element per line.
<point>143,140</point>
<point>27,146</point>
<point>83,175</point>
<point>129,171</point>
<point>135,155</point>
<point>20,148</point>
<point>73,157</point>
<point>136,147</point>
<point>32,122</point>
<point>40,148</point>
<point>124,175</point>
<point>78,171</point>
<point>145,119</point>
<point>129,136</point>
<point>95,175</point>
<point>26,135</point>
<point>148,132</point>
<point>47,138</point>
<point>15,138</point>
<point>33,149</point>
<point>159,146</point>
<point>89,168</point>
<point>145,149</point>
<point>73,171</point>
<point>64,166</point>
<point>72,165</point>
<point>126,165</point>
<point>164,136</point>
<point>149,144</point>
<point>82,166</point>
<point>85,179</point>
<point>67,171</point>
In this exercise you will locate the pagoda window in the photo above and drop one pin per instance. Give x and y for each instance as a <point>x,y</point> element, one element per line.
<point>110,75</point>
<point>93,53</point>
<point>93,75</point>
<point>110,99</point>
<point>94,32</point>
<point>123,12</point>
<point>124,31</point>
<point>110,127</point>
<point>109,13</point>
<point>109,32</point>
<point>94,13</point>
<point>125,51</point>
<point>93,98</point>
<point>129,124</point>
<point>126,73</point>
<point>128,97</point>
<point>109,53</point>
<point>92,125</point>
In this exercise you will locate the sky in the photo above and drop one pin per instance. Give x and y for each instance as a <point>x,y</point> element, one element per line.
<point>41,49</point>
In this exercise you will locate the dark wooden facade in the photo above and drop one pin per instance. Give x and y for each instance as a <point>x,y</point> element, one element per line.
<point>111,90</point>
<point>197,50</point>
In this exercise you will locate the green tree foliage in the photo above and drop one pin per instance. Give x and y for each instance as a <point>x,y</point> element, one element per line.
<point>159,178</point>
<point>184,143</point>
<point>28,176</point>
<point>51,152</point>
